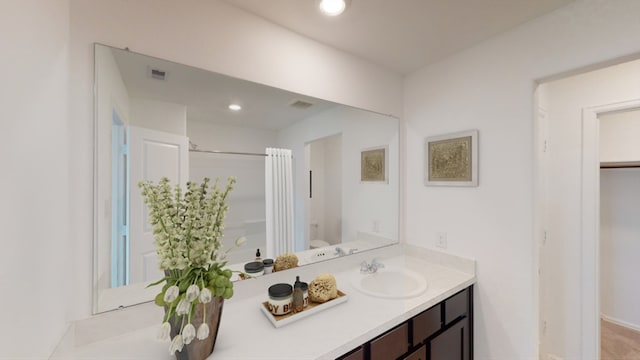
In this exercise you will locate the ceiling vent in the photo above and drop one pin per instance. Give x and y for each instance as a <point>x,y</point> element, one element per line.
<point>300,104</point>
<point>157,73</point>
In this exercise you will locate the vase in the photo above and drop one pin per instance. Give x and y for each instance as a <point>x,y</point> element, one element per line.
<point>200,349</point>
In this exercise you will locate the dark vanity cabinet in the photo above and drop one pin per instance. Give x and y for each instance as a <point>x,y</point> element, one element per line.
<point>442,332</point>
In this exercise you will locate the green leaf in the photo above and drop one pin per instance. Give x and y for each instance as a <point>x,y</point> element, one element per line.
<point>159,300</point>
<point>157,282</point>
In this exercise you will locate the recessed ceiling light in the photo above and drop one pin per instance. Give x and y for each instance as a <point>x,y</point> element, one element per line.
<point>235,107</point>
<point>333,7</point>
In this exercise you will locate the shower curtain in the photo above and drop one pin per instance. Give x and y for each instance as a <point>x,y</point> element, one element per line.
<point>279,202</point>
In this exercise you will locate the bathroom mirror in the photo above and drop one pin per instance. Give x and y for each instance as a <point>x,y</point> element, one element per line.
<point>156,118</point>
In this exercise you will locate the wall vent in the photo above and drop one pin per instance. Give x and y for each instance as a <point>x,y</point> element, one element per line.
<point>157,73</point>
<point>300,104</point>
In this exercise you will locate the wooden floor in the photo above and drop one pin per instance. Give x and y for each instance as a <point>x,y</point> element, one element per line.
<point>618,342</point>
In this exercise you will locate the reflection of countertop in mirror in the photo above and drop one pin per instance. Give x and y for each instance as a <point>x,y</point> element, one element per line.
<point>364,242</point>
<point>338,330</point>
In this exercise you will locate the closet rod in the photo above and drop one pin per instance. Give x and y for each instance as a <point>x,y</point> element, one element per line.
<point>226,152</point>
<point>619,165</point>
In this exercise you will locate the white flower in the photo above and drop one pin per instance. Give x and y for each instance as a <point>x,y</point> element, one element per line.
<point>176,345</point>
<point>192,292</point>
<point>240,241</point>
<point>165,330</point>
<point>188,333</point>
<point>203,331</point>
<point>171,294</point>
<point>205,296</point>
<point>183,307</point>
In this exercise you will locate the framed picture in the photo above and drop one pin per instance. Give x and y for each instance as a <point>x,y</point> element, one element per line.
<point>373,165</point>
<point>452,159</point>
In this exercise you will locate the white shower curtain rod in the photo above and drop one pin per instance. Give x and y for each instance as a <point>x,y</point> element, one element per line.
<point>226,152</point>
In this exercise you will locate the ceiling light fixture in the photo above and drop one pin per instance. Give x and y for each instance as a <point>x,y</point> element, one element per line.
<point>333,7</point>
<point>235,107</point>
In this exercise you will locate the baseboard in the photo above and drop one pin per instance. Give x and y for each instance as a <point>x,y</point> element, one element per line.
<point>620,322</point>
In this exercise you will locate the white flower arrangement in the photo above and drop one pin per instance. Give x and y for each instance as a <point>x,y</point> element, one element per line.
<point>188,228</point>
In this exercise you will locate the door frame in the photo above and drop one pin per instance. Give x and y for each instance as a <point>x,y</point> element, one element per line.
<point>590,224</point>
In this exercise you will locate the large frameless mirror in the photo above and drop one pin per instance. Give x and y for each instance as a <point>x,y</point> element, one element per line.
<point>156,118</point>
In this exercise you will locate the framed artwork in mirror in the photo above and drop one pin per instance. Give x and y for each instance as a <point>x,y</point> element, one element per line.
<point>452,159</point>
<point>373,165</point>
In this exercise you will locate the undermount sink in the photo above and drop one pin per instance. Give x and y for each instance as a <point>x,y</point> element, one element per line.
<point>390,282</point>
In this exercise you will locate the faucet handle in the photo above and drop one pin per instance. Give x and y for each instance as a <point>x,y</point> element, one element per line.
<point>364,267</point>
<point>377,263</point>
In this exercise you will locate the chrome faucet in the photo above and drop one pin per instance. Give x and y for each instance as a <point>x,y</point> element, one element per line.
<point>340,251</point>
<point>366,268</point>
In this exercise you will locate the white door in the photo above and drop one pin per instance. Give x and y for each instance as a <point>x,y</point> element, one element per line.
<point>154,155</point>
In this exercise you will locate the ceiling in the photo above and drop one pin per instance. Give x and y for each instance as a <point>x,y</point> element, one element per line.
<point>401,35</point>
<point>207,95</point>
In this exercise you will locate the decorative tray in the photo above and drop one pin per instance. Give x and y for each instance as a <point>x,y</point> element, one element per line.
<point>312,308</point>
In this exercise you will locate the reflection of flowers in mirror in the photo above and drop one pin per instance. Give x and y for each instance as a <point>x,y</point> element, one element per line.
<point>188,229</point>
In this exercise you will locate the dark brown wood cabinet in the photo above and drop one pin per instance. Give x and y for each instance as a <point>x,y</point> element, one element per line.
<point>442,332</point>
<point>451,344</point>
<point>357,354</point>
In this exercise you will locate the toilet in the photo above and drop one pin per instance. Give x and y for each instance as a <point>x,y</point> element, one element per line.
<point>316,244</point>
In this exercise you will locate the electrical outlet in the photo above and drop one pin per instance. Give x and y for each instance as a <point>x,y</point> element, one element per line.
<point>441,240</point>
<point>321,254</point>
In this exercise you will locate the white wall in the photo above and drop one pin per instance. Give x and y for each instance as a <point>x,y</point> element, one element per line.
<point>620,245</point>
<point>215,36</point>
<point>361,202</point>
<point>35,261</point>
<point>159,115</point>
<point>490,88</point>
<point>619,134</point>
<point>560,279</point>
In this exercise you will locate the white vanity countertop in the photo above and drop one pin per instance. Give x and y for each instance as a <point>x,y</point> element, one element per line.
<point>246,334</point>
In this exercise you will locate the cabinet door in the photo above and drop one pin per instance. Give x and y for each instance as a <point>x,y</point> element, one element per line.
<point>453,344</point>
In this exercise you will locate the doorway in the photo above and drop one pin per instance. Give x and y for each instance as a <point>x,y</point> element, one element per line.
<point>567,219</point>
<point>619,234</point>
<point>324,200</point>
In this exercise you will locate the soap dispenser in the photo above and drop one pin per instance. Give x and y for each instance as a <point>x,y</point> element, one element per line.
<point>298,296</point>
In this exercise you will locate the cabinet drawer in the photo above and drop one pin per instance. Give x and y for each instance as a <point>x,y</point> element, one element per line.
<point>356,355</point>
<point>456,306</point>
<point>426,324</point>
<point>420,354</point>
<point>391,345</point>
